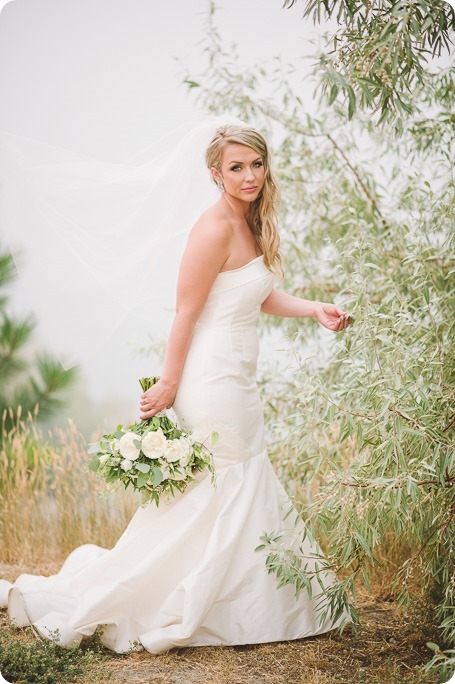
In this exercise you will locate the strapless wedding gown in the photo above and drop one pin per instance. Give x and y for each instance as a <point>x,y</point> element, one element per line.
<point>187,573</point>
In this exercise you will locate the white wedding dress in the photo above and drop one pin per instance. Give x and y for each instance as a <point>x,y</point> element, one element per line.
<point>187,573</point>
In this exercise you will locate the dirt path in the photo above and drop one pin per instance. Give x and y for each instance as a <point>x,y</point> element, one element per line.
<point>390,649</point>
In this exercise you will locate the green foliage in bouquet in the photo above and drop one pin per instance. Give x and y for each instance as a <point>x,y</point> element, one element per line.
<point>155,456</point>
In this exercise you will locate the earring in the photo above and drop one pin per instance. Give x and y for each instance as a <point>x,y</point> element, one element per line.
<point>220,185</point>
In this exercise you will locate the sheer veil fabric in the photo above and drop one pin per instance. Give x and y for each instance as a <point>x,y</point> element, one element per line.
<point>94,241</point>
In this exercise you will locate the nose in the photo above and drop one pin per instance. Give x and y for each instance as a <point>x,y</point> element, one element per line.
<point>249,174</point>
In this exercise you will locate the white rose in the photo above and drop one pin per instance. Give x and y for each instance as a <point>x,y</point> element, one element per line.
<point>186,450</point>
<point>166,473</point>
<point>102,459</point>
<point>176,449</point>
<point>126,464</point>
<point>127,447</point>
<point>173,451</point>
<point>185,457</point>
<point>154,444</point>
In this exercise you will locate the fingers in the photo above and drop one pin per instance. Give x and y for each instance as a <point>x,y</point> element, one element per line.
<point>148,408</point>
<point>148,414</point>
<point>343,321</point>
<point>155,400</point>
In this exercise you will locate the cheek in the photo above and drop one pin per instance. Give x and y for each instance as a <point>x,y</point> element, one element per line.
<point>232,178</point>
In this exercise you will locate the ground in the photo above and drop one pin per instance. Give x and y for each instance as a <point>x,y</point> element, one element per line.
<point>389,649</point>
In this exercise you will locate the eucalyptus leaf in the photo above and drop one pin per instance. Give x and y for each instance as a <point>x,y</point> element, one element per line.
<point>141,480</point>
<point>93,464</point>
<point>156,476</point>
<point>142,467</point>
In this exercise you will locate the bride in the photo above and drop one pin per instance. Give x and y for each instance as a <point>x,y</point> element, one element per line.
<point>187,573</point>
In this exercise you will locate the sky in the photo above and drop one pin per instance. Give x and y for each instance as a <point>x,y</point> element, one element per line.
<point>101,77</point>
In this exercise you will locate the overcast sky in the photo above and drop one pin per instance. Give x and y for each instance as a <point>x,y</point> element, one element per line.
<point>100,75</point>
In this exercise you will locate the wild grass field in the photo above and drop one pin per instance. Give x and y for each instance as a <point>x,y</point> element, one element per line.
<point>49,504</point>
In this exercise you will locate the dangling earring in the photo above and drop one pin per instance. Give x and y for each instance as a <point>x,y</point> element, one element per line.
<point>220,185</point>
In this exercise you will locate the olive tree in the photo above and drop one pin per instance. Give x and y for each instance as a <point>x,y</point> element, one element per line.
<point>362,431</point>
<point>380,50</point>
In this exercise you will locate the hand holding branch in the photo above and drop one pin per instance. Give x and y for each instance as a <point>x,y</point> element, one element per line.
<point>332,317</point>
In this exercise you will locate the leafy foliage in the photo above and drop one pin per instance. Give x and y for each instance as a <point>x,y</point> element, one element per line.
<point>27,381</point>
<point>380,50</point>
<point>367,419</point>
<point>44,662</point>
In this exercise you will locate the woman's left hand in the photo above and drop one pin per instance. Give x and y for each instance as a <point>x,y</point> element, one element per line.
<point>332,317</point>
<point>159,397</point>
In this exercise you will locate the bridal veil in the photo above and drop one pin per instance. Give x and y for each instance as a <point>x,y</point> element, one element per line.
<point>93,240</point>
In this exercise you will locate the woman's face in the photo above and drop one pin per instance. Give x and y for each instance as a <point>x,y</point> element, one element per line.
<point>242,172</point>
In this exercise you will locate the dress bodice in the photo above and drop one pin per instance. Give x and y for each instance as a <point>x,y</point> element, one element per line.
<point>236,296</point>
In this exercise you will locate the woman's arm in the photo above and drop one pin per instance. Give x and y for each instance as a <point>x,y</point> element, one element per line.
<point>280,303</point>
<point>283,304</point>
<point>205,254</point>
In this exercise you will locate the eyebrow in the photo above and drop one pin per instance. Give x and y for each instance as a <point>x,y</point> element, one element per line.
<point>237,162</point>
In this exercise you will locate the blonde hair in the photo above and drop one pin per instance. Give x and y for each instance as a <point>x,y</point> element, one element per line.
<point>262,214</point>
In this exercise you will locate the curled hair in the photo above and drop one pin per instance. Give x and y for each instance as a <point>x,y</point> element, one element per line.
<point>263,212</point>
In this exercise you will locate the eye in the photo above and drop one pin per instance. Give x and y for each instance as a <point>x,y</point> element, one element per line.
<point>258,163</point>
<point>234,168</point>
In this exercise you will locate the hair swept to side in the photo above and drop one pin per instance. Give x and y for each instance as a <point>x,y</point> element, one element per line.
<point>263,212</point>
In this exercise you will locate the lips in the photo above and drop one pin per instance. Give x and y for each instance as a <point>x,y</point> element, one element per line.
<point>253,187</point>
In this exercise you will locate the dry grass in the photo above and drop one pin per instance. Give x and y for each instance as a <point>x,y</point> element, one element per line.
<point>390,649</point>
<point>49,504</point>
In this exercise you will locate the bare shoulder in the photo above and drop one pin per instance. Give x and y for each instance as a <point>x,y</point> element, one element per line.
<point>209,243</point>
<point>213,224</point>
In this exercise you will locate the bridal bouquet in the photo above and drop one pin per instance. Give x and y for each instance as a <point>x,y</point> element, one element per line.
<point>155,456</point>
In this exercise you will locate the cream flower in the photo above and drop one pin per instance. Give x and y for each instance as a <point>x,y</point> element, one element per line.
<point>127,447</point>
<point>176,449</point>
<point>185,457</point>
<point>102,459</point>
<point>154,444</point>
<point>126,464</point>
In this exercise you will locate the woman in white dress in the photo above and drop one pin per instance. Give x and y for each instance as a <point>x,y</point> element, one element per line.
<point>187,573</point>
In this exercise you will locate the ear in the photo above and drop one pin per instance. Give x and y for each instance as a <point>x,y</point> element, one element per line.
<point>215,174</point>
